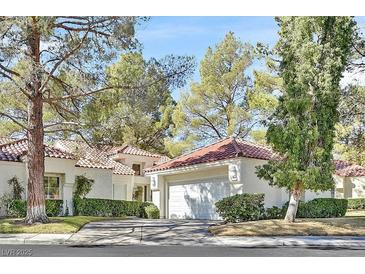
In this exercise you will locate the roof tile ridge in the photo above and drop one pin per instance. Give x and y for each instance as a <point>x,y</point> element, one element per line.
<point>255,144</point>
<point>13,142</point>
<point>190,152</point>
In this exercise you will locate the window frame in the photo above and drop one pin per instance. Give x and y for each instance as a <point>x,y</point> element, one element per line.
<point>46,183</point>
<point>140,169</point>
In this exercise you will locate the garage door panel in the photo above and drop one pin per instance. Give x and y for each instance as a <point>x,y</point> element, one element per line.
<point>196,199</point>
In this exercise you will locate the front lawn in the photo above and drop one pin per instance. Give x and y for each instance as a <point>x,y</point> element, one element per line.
<point>346,226</point>
<point>57,225</point>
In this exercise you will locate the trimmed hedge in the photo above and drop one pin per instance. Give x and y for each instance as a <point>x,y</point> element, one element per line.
<point>150,211</point>
<point>274,213</point>
<point>356,203</point>
<point>241,207</point>
<point>321,208</point>
<point>113,208</point>
<point>18,208</point>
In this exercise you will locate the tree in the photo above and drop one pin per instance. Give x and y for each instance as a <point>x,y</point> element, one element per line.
<point>139,117</point>
<point>223,103</point>
<point>37,57</point>
<point>350,137</point>
<point>314,52</point>
<point>16,188</point>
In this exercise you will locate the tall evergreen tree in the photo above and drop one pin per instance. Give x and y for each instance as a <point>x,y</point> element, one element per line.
<point>224,102</point>
<point>314,52</point>
<point>56,64</point>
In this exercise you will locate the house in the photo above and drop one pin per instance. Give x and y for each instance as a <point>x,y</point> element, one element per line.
<point>117,172</point>
<point>189,185</point>
<point>350,180</point>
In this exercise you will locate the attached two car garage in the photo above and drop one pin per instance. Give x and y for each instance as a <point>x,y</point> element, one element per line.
<point>196,199</point>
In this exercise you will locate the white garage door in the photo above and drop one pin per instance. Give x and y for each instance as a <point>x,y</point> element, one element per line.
<point>196,199</point>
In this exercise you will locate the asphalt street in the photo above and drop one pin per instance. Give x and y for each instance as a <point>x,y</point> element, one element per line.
<point>174,251</point>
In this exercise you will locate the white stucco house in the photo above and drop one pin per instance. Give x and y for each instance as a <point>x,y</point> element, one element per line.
<point>185,187</point>
<point>189,185</point>
<point>117,172</point>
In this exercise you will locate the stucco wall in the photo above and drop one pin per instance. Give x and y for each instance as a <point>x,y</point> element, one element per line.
<point>144,161</point>
<point>7,171</point>
<point>350,187</point>
<point>274,196</point>
<point>122,187</point>
<point>102,187</point>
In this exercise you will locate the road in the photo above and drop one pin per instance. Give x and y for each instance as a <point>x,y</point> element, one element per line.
<point>173,251</point>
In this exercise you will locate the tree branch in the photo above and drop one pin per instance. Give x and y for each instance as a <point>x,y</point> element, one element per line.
<point>13,120</point>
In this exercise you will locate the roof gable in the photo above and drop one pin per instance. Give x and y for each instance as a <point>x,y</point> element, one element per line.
<point>224,149</point>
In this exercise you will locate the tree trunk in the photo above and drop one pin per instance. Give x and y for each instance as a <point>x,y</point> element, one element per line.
<point>36,210</point>
<point>293,204</point>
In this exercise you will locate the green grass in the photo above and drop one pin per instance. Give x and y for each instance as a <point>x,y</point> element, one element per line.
<point>56,225</point>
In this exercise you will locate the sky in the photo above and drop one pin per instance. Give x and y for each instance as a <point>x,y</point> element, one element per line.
<point>193,35</point>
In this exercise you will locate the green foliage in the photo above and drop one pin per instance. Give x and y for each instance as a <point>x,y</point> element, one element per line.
<point>18,208</point>
<point>223,102</point>
<point>350,134</point>
<point>108,208</point>
<point>16,187</point>
<point>321,208</point>
<point>314,52</point>
<point>274,213</point>
<point>241,207</point>
<point>83,186</point>
<point>150,211</point>
<point>356,203</point>
<point>143,113</point>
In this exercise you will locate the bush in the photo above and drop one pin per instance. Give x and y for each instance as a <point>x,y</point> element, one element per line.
<point>274,213</point>
<point>83,186</point>
<point>321,208</point>
<point>356,203</point>
<point>111,208</point>
<point>241,207</point>
<point>150,211</point>
<point>18,208</point>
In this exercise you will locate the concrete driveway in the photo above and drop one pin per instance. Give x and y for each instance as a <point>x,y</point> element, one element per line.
<point>144,232</point>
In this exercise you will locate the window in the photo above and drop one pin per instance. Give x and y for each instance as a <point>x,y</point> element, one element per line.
<point>137,169</point>
<point>52,187</point>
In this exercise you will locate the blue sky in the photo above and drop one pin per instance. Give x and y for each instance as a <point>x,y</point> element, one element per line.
<point>193,35</point>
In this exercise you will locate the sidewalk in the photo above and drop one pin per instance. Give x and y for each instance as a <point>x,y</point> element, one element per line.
<point>41,239</point>
<point>300,241</point>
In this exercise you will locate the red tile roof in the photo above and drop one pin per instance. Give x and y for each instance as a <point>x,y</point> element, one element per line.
<point>233,147</point>
<point>128,149</point>
<point>346,169</point>
<point>91,157</point>
<point>15,149</point>
<point>224,149</point>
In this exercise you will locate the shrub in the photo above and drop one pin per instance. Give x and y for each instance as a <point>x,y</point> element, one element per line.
<point>16,187</point>
<point>274,213</point>
<point>356,203</point>
<point>150,211</point>
<point>321,208</point>
<point>18,208</point>
<point>241,207</point>
<point>108,208</point>
<point>83,186</point>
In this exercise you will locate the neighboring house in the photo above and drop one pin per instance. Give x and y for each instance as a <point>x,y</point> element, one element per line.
<point>117,172</point>
<point>350,180</point>
<point>189,185</point>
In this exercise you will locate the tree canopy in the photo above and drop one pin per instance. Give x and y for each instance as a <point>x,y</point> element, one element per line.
<point>314,52</point>
<point>140,116</point>
<point>224,102</point>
